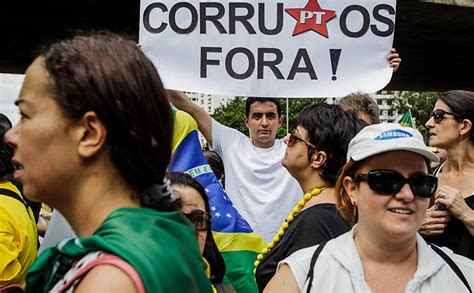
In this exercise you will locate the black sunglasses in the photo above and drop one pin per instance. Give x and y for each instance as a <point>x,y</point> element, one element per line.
<point>388,182</point>
<point>438,115</point>
<point>293,138</point>
<point>200,219</point>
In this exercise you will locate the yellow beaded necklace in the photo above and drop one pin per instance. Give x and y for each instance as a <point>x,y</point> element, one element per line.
<point>284,226</point>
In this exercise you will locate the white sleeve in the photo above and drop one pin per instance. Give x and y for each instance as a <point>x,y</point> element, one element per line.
<point>299,262</point>
<point>223,137</point>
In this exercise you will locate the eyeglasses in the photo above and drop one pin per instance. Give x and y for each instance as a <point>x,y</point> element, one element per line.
<point>293,138</point>
<point>388,182</point>
<point>200,219</point>
<point>438,115</point>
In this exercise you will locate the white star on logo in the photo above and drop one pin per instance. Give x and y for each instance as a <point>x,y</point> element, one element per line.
<point>218,214</point>
<point>213,209</point>
<point>207,190</point>
<point>228,215</point>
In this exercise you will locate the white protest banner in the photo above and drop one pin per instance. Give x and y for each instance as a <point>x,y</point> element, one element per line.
<point>311,48</point>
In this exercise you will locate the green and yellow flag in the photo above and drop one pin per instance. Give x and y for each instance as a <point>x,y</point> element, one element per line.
<point>407,120</point>
<point>237,242</point>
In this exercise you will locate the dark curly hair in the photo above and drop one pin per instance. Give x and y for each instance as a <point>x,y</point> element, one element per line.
<point>330,129</point>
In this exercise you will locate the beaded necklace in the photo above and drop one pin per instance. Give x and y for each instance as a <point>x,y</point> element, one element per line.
<point>296,210</point>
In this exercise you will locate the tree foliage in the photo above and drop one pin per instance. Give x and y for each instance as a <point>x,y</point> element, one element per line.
<point>233,112</point>
<point>420,104</point>
<point>294,108</point>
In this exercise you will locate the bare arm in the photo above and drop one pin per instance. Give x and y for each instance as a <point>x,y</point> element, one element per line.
<point>106,278</point>
<point>456,204</point>
<point>282,281</point>
<point>203,119</point>
<point>468,220</point>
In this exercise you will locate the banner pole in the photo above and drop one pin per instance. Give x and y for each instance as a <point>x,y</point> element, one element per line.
<point>287,117</point>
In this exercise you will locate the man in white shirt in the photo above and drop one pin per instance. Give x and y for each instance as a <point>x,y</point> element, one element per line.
<point>260,188</point>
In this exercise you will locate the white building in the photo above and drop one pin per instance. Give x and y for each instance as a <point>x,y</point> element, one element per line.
<point>384,100</point>
<point>208,102</point>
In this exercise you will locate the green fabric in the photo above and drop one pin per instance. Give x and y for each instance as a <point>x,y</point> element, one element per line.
<point>240,272</point>
<point>162,248</point>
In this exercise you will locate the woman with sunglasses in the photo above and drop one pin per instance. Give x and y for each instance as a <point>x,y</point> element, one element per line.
<point>94,142</point>
<point>195,206</point>
<point>385,189</point>
<point>315,154</point>
<point>450,220</point>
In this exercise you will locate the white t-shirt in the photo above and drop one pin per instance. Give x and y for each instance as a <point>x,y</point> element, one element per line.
<point>339,269</point>
<point>260,188</point>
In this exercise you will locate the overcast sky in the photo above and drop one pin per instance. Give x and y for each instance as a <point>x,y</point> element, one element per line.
<point>10,85</point>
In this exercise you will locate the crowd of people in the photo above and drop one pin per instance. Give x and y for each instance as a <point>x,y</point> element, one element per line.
<point>344,202</point>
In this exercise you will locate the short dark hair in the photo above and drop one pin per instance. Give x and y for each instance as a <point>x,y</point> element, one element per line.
<point>462,103</point>
<point>330,129</point>
<point>359,101</point>
<point>109,75</point>
<point>6,151</point>
<point>211,253</point>
<point>216,164</point>
<point>251,100</point>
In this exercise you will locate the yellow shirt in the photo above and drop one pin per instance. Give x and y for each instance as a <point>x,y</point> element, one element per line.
<point>18,238</point>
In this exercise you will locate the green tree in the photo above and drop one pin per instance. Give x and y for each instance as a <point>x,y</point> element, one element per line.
<point>420,104</point>
<point>295,105</point>
<point>233,112</point>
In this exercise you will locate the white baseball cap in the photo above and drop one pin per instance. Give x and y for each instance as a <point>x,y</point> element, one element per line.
<point>386,137</point>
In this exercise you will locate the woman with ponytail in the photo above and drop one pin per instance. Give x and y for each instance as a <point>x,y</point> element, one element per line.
<point>94,142</point>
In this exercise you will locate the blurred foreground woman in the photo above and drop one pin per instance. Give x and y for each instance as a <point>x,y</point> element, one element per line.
<point>94,142</point>
<point>386,189</point>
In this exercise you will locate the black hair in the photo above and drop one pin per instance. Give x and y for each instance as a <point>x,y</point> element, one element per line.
<point>330,129</point>
<point>211,253</point>
<point>109,75</point>
<point>216,164</point>
<point>6,151</point>
<point>462,103</point>
<point>251,100</point>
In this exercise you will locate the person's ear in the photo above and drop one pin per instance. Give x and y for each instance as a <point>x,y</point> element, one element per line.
<point>318,159</point>
<point>351,187</point>
<point>465,127</point>
<point>281,119</point>
<point>92,135</point>
<point>246,121</point>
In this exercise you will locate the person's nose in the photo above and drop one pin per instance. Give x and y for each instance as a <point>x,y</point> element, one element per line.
<point>405,194</point>
<point>264,121</point>
<point>11,137</point>
<point>430,123</point>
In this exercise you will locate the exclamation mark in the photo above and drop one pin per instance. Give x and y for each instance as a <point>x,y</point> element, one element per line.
<point>335,54</point>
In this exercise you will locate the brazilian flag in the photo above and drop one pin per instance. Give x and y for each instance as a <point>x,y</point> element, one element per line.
<point>237,242</point>
<point>407,120</point>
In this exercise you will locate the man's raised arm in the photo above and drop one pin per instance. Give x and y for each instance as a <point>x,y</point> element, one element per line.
<point>203,119</point>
